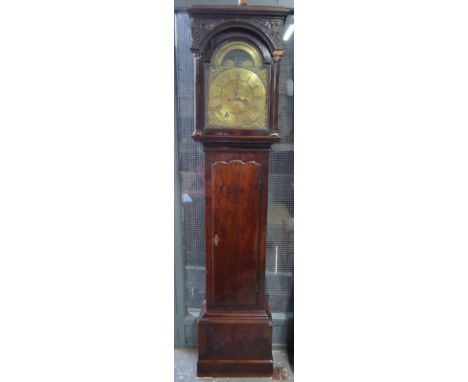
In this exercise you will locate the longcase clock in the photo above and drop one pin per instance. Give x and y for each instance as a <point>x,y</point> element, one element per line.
<point>237,51</point>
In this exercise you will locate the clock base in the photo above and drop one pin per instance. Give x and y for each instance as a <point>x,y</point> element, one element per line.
<point>235,343</point>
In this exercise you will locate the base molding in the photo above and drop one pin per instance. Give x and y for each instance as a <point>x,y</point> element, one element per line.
<point>234,368</point>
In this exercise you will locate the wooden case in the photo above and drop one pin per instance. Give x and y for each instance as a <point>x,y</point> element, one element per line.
<point>235,324</point>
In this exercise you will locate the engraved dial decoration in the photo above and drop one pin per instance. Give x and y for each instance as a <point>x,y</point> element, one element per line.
<point>237,88</point>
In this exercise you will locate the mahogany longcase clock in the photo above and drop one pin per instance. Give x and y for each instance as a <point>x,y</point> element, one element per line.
<point>237,51</point>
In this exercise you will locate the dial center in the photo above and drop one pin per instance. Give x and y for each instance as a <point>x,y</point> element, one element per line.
<point>238,96</point>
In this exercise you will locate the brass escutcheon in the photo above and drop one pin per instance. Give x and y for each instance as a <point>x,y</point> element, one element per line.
<point>216,240</point>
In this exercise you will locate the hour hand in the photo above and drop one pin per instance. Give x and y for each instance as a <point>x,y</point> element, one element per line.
<point>239,98</point>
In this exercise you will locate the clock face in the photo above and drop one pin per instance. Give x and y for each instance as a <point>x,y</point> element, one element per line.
<point>237,89</point>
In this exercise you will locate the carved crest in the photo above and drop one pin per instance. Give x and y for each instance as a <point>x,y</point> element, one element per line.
<point>268,25</point>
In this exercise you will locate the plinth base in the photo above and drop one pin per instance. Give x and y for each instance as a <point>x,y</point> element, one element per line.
<point>235,343</point>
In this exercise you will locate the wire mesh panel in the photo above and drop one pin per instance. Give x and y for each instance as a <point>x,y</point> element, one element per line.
<point>280,227</point>
<point>280,223</point>
<point>191,169</point>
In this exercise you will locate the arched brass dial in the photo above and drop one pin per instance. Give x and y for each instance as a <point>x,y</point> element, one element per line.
<point>237,88</point>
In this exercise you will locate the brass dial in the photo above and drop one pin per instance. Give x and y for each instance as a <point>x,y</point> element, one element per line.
<point>237,98</point>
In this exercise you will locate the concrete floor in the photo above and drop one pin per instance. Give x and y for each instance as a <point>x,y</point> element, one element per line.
<point>185,368</point>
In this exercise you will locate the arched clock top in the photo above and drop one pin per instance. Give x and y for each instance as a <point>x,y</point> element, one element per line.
<point>236,51</point>
<point>240,30</point>
<point>265,23</point>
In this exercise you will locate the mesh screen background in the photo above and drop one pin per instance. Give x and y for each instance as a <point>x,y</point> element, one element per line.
<point>280,231</point>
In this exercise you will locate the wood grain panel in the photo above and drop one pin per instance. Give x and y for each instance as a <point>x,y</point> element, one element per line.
<point>236,190</point>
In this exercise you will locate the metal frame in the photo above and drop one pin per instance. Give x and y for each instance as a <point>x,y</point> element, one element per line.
<point>180,310</point>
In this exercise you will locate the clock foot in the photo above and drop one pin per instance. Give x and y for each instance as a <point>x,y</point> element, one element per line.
<point>234,368</point>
